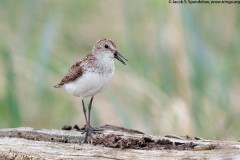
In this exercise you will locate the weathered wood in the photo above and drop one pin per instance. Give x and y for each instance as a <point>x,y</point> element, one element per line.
<point>112,143</point>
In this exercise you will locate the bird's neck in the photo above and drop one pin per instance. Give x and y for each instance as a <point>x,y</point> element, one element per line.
<point>104,64</point>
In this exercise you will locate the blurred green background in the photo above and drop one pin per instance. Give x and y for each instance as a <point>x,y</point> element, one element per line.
<point>182,77</point>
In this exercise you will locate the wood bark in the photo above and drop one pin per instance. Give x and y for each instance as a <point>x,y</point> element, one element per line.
<point>111,143</point>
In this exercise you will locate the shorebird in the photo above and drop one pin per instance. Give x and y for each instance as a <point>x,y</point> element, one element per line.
<point>90,75</point>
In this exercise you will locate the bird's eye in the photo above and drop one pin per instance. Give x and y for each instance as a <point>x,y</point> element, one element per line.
<point>106,46</point>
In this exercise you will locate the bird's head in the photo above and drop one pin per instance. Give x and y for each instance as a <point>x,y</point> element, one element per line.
<point>106,47</point>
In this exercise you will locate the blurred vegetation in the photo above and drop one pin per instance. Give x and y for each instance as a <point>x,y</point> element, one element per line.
<point>182,76</point>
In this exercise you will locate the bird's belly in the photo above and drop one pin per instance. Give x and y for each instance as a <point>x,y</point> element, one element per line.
<point>88,85</point>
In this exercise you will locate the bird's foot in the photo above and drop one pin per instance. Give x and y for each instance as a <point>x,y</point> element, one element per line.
<point>89,131</point>
<point>94,129</point>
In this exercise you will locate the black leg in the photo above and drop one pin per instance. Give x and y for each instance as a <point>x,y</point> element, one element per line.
<point>89,111</point>
<point>88,128</point>
<point>84,111</point>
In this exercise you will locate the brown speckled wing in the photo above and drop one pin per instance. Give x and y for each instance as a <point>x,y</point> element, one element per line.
<point>75,71</point>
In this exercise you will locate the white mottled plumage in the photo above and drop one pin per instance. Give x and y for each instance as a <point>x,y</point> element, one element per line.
<point>94,79</point>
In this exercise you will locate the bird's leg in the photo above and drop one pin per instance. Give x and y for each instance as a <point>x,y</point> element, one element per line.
<point>89,111</point>
<point>88,128</point>
<point>84,111</point>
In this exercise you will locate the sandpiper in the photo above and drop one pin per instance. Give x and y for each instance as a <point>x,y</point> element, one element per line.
<point>89,76</point>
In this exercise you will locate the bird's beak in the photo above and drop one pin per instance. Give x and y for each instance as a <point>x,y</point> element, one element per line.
<point>119,57</point>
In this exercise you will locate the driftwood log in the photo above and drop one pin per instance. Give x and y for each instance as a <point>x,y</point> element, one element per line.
<point>111,143</point>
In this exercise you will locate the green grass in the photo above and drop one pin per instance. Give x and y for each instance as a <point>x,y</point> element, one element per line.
<point>182,76</point>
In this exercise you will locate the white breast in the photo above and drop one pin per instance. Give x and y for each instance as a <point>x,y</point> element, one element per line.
<point>90,83</point>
